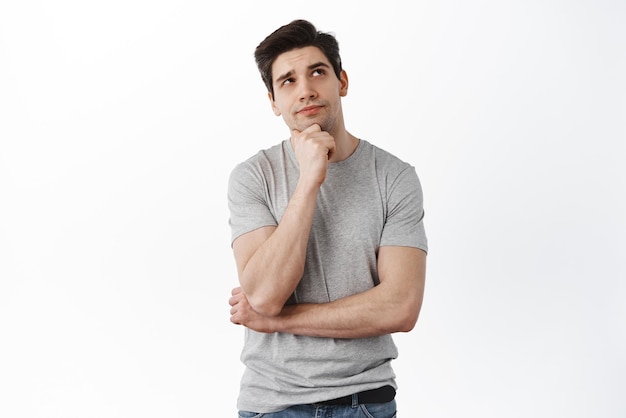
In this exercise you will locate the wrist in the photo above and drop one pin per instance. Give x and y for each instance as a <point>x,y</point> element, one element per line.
<point>308,186</point>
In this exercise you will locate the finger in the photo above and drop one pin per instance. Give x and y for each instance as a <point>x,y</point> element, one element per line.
<point>332,147</point>
<point>313,128</point>
<point>236,291</point>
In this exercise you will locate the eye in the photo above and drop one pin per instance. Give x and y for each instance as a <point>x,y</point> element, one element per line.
<point>287,81</point>
<point>318,71</point>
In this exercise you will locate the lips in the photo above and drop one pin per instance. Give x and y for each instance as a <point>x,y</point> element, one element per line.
<point>309,110</point>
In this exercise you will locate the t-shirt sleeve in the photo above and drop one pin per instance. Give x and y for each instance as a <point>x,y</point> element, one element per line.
<point>404,224</point>
<point>247,200</point>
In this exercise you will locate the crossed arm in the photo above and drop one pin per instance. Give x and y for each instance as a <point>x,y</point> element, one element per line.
<point>392,306</point>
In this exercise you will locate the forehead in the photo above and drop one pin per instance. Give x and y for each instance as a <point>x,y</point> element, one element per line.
<point>297,59</point>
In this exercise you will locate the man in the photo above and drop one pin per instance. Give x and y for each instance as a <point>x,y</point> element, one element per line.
<point>329,243</point>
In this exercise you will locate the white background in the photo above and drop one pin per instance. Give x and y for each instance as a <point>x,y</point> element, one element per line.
<point>121,120</point>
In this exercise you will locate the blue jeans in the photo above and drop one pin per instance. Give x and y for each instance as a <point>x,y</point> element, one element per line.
<point>367,410</point>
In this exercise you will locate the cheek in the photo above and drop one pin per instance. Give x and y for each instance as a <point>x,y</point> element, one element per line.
<point>276,108</point>
<point>280,107</point>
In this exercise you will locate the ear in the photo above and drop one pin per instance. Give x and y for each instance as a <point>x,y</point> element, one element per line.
<point>343,83</point>
<point>273,103</point>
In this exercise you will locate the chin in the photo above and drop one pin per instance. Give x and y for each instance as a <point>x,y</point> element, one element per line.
<point>324,125</point>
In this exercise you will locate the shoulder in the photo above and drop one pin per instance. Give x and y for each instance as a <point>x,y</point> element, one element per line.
<point>261,161</point>
<point>386,162</point>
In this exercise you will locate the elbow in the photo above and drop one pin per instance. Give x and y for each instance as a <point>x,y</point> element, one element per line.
<point>407,318</point>
<point>265,307</point>
<point>407,324</point>
<point>269,310</point>
<point>262,301</point>
<point>266,299</point>
<point>410,311</point>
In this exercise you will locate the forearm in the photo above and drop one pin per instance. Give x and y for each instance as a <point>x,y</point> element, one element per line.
<point>371,313</point>
<point>273,271</point>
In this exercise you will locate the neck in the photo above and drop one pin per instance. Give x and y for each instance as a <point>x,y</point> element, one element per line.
<point>345,145</point>
<point>345,142</point>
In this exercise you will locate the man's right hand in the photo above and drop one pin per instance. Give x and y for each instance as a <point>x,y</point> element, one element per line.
<point>313,148</point>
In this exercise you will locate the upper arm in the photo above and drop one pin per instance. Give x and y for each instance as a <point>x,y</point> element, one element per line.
<point>402,271</point>
<point>248,205</point>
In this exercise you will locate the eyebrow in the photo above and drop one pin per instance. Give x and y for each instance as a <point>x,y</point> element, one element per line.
<point>290,73</point>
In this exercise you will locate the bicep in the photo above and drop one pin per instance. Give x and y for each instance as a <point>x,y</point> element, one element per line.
<point>402,270</point>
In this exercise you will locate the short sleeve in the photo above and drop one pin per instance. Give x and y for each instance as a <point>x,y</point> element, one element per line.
<point>247,200</point>
<point>404,223</point>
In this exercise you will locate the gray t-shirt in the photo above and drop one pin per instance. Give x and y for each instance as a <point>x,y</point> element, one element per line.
<point>368,200</point>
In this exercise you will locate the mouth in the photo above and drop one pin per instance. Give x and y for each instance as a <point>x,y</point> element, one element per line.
<point>309,110</point>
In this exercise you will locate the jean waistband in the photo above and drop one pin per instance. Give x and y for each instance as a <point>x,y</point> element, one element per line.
<point>381,395</point>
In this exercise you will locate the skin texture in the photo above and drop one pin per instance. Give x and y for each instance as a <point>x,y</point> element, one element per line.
<point>270,260</point>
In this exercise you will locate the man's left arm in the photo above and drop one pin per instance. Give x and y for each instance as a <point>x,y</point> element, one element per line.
<point>391,306</point>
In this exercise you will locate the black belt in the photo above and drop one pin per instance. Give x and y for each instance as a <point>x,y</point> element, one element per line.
<point>380,395</point>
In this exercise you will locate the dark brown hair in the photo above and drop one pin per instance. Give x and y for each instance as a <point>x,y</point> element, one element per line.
<point>297,34</point>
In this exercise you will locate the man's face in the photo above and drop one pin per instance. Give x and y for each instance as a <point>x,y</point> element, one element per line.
<point>306,90</point>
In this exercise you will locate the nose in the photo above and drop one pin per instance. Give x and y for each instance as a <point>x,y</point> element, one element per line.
<point>307,91</point>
